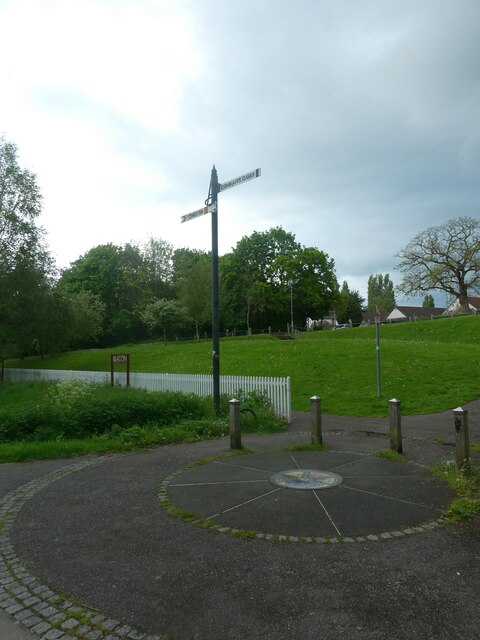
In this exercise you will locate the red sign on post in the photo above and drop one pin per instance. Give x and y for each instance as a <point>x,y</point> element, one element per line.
<point>122,358</point>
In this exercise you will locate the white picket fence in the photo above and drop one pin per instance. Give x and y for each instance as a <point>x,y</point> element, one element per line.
<point>276,389</point>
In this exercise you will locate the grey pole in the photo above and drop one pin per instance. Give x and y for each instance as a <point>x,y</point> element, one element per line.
<point>316,420</point>
<point>235,430</point>
<point>462,441</point>
<point>377,342</point>
<point>395,425</point>
<point>213,200</point>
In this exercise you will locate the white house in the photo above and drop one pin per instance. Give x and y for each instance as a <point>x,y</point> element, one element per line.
<point>401,313</point>
<point>473,303</point>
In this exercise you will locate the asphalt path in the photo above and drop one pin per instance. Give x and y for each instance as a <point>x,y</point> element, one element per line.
<point>100,537</point>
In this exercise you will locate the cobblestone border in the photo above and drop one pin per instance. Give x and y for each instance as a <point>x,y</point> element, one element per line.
<point>170,507</point>
<point>34,605</point>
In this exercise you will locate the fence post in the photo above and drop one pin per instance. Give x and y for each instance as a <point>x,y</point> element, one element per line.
<point>395,425</point>
<point>316,420</point>
<point>462,441</point>
<point>235,431</point>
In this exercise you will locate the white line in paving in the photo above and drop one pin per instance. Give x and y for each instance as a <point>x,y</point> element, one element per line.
<point>381,495</point>
<point>328,515</point>
<point>201,484</point>
<point>298,466</point>
<point>242,466</point>
<point>242,504</point>
<point>346,464</point>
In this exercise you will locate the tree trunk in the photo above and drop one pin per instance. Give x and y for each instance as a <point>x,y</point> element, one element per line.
<point>463,300</point>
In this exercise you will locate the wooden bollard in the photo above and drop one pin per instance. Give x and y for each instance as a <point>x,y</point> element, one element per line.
<point>462,439</point>
<point>395,425</point>
<point>316,420</point>
<point>235,430</point>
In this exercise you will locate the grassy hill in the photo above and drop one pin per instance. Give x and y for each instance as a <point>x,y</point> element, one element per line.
<point>429,365</point>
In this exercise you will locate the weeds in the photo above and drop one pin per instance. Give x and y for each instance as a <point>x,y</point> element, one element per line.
<point>391,455</point>
<point>465,481</point>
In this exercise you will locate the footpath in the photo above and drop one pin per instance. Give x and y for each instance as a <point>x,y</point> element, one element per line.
<point>88,549</point>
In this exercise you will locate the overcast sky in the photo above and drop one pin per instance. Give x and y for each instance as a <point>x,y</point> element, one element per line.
<point>364,116</point>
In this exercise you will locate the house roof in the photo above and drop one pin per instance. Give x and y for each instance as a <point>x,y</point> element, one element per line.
<point>473,301</point>
<point>418,312</point>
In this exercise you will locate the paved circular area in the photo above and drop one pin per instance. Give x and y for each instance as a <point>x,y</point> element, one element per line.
<point>376,497</point>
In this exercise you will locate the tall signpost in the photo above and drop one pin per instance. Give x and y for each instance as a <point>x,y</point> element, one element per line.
<point>211,206</point>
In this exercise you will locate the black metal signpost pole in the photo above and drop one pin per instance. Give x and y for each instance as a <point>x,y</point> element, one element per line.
<point>211,206</point>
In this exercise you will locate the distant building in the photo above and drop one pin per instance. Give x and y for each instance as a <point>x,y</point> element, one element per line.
<point>402,313</point>
<point>473,303</point>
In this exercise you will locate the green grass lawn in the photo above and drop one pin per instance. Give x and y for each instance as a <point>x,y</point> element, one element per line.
<point>429,365</point>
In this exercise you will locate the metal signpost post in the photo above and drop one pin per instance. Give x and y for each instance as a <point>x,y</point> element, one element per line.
<point>211,206</point>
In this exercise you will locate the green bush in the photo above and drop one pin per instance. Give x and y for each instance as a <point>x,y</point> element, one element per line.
<point>74,409</point>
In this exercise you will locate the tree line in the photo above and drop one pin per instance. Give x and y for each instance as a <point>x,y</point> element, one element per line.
<point>119,293</point>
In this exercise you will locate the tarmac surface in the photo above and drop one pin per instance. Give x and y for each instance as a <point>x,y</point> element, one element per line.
<point>89,548</point>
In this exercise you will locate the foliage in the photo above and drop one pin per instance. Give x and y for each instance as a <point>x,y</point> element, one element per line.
<point>123,279</point>
<point>44,420</point>
<point>381,295</point>
<point>428,302</point>
<point>445,258</point>
<point>192,278</point>
<point>391,455</point>
<point>465,481</point>
<point>26,267</point>
<point>74,409</point>
<point>349,307</point>
<point>268,275</point>
<point>166,316</point>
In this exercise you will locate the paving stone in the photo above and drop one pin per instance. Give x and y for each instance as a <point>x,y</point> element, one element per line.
<point>31,621</point>
<point>13,608</point>
<point>123,631</point>
<point>21,615</point>
<point>93,635</point>
<point>42,627</point>
<point>70,623</point>
<point>53,634</point>
<point>83,629</point>
<point>109,624</point>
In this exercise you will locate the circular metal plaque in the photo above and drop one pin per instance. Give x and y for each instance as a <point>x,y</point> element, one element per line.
<point>306,479</point>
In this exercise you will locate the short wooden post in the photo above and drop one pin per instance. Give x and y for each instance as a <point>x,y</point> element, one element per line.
<point>316,420</point>
<point>235,431</point>
<point>462,440</point>
<point>395,425</point>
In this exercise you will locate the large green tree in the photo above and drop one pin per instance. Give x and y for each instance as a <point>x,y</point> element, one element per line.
<point>445,258</point>
<point>124,279</point>
<point>269,274</point>
<point>381,293</point>
<point>26,267</point>
<point>349,306</point>
<point>192,279</point>
<point>167,316</point>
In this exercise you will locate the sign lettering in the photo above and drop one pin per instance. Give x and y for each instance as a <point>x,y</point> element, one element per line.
<point>241,179</point>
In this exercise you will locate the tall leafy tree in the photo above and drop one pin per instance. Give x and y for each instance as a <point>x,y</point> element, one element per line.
<point>167,316</point>
<point>349,305</point>
<point>26,267</point>
<point>428,302</point>
<point>249,276</point>
<point>192,279</point>
<point>381,293</point>
<point>268,273</point>
<point>445,258</point>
